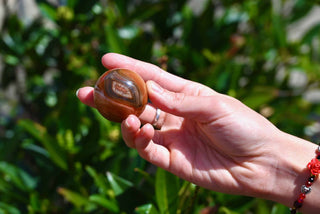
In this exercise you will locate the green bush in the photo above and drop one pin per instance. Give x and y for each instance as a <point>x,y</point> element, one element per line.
<point>59,156</point>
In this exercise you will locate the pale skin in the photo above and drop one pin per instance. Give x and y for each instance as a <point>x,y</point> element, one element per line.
<point>213,140</point>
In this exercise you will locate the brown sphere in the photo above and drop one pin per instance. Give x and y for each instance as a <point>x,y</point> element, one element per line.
<point>119,93</point>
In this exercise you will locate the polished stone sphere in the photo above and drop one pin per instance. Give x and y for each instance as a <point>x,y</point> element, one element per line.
<point>119,93</point>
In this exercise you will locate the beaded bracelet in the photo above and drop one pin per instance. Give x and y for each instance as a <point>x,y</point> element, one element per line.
<point>314,168</point>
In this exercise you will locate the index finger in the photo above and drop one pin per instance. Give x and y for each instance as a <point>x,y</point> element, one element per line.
<point>146,70</point>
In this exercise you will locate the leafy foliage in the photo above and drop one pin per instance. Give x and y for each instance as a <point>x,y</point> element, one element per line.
<point>59,156</point>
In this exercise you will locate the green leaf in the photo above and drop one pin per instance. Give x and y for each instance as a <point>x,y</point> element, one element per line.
<point>48,10</point>
<point>161,191</point>
<point>34,203</point>
<point>259,96</point>
<point>4,186</point>
<point>225,210</point>
<point>146,209</point>
<point>35,148</point>
<point>118,184</point>
<point>76,199</point>
<point>72,3</point>
<point>39,132</point>
<point>262,207</point>
<point>167,190</point>
<point>280,33</point>
<point>113,40</point>
<point>17,176</point>
<point>279,209</point>
<point>187,195</point>
<point>6,208</point>
<point>11,60</point>
<point>145,175</point>
<point>99,180</point>
<point>104,202</point>
<point>312,33</point>
<point>235,202</point>
<point>146,11</point>
<point>278,24</point>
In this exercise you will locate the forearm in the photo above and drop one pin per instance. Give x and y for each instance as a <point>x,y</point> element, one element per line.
<point>291,173</point>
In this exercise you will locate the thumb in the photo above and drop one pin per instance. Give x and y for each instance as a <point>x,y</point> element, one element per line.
<point>200,108</point>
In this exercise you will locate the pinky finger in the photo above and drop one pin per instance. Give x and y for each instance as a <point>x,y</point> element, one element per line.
<point>130,127</point>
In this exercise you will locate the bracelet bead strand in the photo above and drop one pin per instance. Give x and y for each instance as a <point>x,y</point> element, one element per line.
<point>314,168</point>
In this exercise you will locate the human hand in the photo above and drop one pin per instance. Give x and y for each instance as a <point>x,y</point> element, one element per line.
<point>207,138</point>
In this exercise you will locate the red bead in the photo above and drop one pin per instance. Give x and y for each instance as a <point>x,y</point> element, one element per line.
<point>308,184</point>
<point>302,196</point>
<point>314,167</point>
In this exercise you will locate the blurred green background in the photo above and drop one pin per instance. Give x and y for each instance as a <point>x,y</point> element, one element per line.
<point>60,156</point>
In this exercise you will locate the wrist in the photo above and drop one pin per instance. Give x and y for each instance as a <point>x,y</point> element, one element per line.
<point>290,172</point>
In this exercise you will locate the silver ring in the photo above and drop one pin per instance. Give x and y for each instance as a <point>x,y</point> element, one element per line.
<point>156,118</point>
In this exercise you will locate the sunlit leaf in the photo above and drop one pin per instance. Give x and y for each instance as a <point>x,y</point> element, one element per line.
<point>225,210</point>
<point>104,202</point>
<point>11,60</point>
<point>167,189</point>
<point>118,184</point>
<point>146,209</point>
<point>161,191</point>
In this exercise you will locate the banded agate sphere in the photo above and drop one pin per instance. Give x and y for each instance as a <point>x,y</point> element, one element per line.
<point>119,93</point>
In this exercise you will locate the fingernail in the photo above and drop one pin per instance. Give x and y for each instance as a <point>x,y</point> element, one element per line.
<point>128,122</point>
<point>156,88</point>
<point>77,92</point>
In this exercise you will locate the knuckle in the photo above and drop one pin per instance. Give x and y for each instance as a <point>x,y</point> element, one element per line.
<point>177,100</point>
